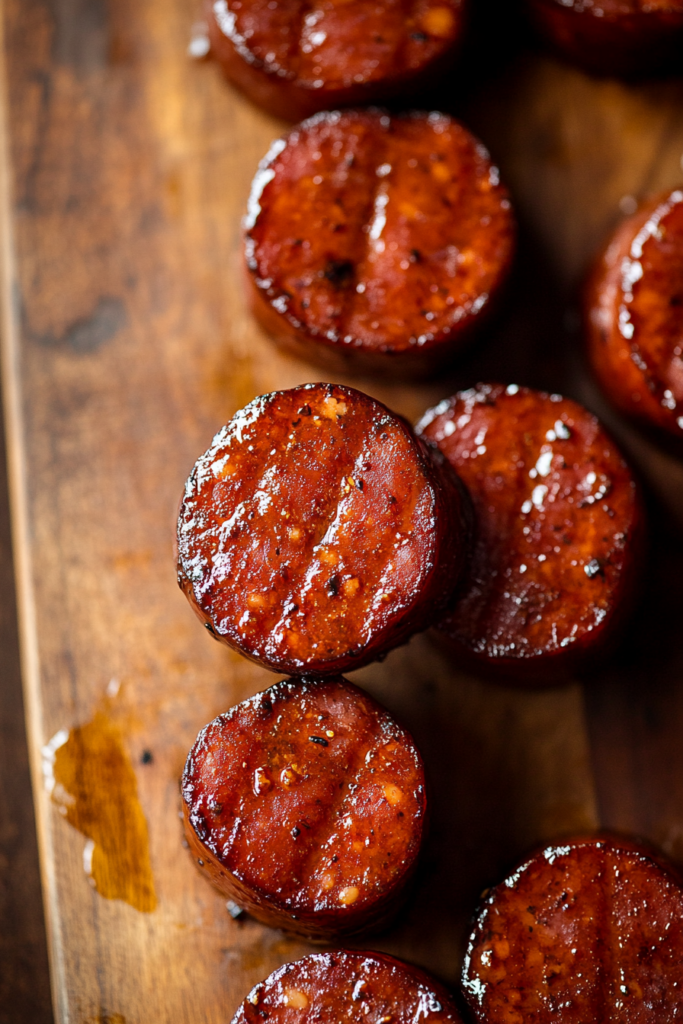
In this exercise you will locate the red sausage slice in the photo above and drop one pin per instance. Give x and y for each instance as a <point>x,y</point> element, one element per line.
<point>621,37</point>
<point>559,530</point>
<point>317,532</point>
<point>590,930</point>
<point>306,806</point>
<point>328,988</point>
<point>297,58</point>
<point>377,242</point>
<point>634,315</point>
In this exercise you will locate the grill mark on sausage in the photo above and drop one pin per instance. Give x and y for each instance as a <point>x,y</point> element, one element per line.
<point>398,189</point>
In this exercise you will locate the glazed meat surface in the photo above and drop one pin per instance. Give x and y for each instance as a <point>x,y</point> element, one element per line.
<point>377,240</point>
<point>558,529</point>
<point>295,58</point>
<point>634,315</point>
<point>622,37</point>
<point>331,987</point>
<point>306,805</point>
<point>317,532</point>
<point>590,930</point>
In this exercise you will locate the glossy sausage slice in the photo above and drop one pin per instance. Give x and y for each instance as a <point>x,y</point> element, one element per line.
<point>306,806</point>
<point>295,58</point>
<point>559,528</point>
<point>345,985</point>
<point>377,242</point>
<point>588,930</point>
<point>622,37</point>
<point>317,532</point>
<point>634,315</point>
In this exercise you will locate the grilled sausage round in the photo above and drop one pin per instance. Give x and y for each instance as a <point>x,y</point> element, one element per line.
<point>327,988</point>
<point>634,315</point>
<point>317,532</point>
<point>559,531</point>
<point>377,243</point>
<point>589,930</point>
<point>294,59</point>
<point>306,806</point>
<point>621,37</point>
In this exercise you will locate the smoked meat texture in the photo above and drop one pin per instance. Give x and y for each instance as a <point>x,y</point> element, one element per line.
<point>294,59</point>
<point>306,806</point>
<point>587,930</point>
<point>634,315</point>
<point>613,37</point>
<point>317,532</point>
<point>345,985</point>
<point>558,537</point>
<point>377,243</point>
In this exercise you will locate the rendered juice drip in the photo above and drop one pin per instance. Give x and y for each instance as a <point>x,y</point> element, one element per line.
<point>96,790</point>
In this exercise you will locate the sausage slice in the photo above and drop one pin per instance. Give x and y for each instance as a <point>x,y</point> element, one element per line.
<point>306,806</point>
<point>328,988</point>
<point>297,58</point>
<point>634,314</point>
<point>317,532</point>
<point>559,525</point>
<point>589,930</point>
<point>377,242</point>
<point>622,37</point>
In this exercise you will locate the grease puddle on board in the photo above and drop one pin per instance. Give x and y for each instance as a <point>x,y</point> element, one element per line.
<point>89,777</point>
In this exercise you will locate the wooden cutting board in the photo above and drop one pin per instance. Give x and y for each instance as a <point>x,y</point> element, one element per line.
<point>124,171</point>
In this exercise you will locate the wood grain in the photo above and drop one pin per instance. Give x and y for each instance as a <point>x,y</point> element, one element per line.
<point>127,344</point>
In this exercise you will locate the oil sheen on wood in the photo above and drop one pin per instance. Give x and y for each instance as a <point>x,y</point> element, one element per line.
<point>127,345</point>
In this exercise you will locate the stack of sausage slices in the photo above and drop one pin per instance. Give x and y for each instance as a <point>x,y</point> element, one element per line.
<point>320,530</point>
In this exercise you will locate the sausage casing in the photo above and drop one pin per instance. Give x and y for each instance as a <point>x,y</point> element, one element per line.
<point>317,532</point>
<point>377,243</point>
<point>621,37</point>
<point>306,806</point>
<point>587,930</point>
<point>559,528</point>
<point>293,60</point>
<point>634,315</point>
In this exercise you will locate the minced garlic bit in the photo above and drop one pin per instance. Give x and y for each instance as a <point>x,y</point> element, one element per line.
<point>327,881</point>
<point>438,21</point>
<point>295,533</point>
<point>393,794</point>
<point>295,998</point>
<point>349,895</point>
<point>253,997</point>
<point>256,600</point>
<point>329,733</point>
<point>350,587</point>
<point>288,775</point>
<point>332,408</point>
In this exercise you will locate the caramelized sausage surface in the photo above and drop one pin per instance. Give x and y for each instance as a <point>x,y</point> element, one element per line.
<point>317,532</point>
<point>634,315</point>
<point>558,521</point>
<point>622,37</point>
<point>294,58</point>
<point>345,985</point>
<point>377,242</point>
<point>306,806</point>
<point>590,930</point>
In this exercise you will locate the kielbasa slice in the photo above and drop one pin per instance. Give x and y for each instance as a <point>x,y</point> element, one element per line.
<point>559,528</point>
<point>306,806</point>
<point>620,37</point>
<point>587,930</point>
<point>317,532</point>
<point>294,59</point>
<point>327,988</point>
<point>377,242</point>
<point>634,315</point>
